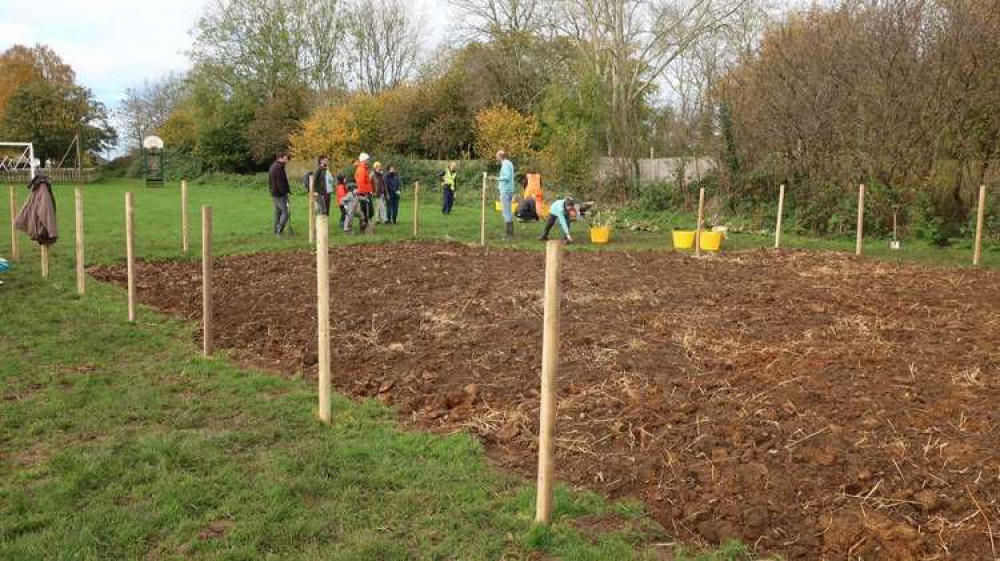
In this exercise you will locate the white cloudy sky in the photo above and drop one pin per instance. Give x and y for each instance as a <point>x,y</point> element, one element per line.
<point>113,44</point>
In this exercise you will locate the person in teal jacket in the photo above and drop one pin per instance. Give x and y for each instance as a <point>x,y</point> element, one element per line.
<point>562,210</point>
<point>505,184</point>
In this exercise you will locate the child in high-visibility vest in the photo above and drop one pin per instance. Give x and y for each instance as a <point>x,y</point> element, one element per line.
<point>449,179</point>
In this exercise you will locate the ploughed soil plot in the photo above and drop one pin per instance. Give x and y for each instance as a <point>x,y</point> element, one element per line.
<point>810,404</point>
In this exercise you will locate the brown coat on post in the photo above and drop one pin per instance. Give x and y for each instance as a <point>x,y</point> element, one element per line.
<point>38,215</point>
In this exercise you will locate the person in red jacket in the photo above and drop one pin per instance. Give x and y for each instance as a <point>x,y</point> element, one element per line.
<point>363,178</point>
<point>341,193</point>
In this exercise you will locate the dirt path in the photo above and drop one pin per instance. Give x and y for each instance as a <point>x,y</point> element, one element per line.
<point>808,403</point>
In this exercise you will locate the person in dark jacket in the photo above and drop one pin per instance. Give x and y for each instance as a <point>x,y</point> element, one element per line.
<point>277,181</point>
<point>393,191</point>
<point>321,189</point>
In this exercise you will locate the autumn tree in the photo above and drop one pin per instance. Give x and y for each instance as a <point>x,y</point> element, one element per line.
<point>502,128</point>
<point>50,115</point>
<point>274,121</point>
<point>331,131</point>
<point>20,66</point>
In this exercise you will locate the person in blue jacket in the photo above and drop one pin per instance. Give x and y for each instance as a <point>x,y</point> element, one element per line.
<point>562,210</point>
<point>505,184</point>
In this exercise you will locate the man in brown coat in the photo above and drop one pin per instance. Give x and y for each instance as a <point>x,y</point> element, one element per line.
<point>38,215</point>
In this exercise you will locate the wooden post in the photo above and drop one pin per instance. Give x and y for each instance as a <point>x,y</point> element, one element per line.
<point>977,252</point>
<point>550,368</point>
<point>482,216</point>
<point>207,339</point>
<point>81,281</point>
<point>416,209</point>
<point>130,253</point>
<point>312,208</point>
<point>13,229</point>
<point>701,219</point>
<point>184,215</point>
<point>859,248</point>
<point>781,212</point>
<point>323,314</point>
<point>45,260</point>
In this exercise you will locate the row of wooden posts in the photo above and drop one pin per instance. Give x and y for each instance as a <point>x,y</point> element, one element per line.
<point>977,251</point>
<point>319,233</point>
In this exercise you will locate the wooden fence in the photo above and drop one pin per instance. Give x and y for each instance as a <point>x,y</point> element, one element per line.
<point>64,175</point>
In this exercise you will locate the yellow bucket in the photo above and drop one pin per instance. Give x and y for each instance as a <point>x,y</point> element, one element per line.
<point>711,241</point>
<point>600,234</point>
<point>683,239</point>
<point>499,206</point>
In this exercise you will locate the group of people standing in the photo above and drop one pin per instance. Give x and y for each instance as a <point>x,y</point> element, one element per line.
<point>374,195</point>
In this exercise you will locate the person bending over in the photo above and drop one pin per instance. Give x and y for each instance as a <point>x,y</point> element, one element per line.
<point>562,210</point>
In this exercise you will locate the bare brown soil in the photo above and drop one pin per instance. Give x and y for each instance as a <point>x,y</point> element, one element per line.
<point>811,404</point>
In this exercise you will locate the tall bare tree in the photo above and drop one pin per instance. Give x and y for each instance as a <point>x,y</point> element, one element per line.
<point>147,106</point>
<point>385,44</point>
<point>271,44</point>
<point>629,45</point>
<point>497,18</point>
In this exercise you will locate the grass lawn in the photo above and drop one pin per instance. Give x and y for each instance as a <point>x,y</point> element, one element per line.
<point>119,442</point>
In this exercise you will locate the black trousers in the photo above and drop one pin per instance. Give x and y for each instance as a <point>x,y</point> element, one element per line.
<point>392,204</point>
<point>449,200</point>
<point>367,208</point>
<point>549,224</point>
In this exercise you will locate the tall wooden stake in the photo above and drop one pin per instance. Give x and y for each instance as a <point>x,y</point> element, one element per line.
<point>312,209</point>
<point>323,314</point>
<point>13,229</point>
<point>482,216</point>
<point>130,254</point>
<point>860,248</point>
<point>781,213</point>
<point>207,338</point>
<point>550,368</point>
<point>81,282</point>
<point>45,260</point>
<point>416,209</point>
<point>701,219</point>
<point>977,252</point>
<point>184,215</point>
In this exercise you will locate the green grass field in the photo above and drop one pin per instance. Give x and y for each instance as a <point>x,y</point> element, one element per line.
<point>119,441</point>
